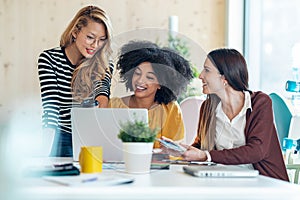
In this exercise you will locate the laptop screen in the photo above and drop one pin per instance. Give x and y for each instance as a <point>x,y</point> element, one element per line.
<point>100,127</point>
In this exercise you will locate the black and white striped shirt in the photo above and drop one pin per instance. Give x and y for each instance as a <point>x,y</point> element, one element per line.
<point>55,74</point>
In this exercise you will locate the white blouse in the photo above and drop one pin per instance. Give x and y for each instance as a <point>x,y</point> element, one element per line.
<point>230,134</point>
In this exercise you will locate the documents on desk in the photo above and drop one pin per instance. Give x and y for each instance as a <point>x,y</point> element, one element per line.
<point>87,180</point>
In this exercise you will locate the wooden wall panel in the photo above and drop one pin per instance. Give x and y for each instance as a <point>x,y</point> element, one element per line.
<point>30,26</point>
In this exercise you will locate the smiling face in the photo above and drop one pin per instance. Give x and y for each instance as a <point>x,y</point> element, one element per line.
<point>90,38</point>
<point>212,80</point>
<point>144,81</point>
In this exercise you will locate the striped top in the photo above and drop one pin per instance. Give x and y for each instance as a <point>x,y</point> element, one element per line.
<point>55,74</point>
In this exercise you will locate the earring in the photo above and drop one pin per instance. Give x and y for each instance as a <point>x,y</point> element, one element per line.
<point>225,84</point>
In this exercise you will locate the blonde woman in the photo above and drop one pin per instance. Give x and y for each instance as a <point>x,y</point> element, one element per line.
<point>77,71</point>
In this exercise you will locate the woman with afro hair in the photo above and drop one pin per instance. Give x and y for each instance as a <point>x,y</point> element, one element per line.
<point>156,76</point>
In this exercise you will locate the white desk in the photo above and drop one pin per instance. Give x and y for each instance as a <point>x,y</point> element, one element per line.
<point>166,184</point>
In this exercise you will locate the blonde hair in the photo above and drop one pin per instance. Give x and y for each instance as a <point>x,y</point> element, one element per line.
<point>93,69</point>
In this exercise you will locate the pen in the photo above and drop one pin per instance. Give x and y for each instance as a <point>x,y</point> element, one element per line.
<point>184,162</point>
<point>203,163</point>
<point>89,180</point>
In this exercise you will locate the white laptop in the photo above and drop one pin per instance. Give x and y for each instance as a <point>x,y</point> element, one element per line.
<point>100,127</point>
<point>220,171</point>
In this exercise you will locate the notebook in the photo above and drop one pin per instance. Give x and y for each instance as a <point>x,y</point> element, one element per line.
<point>88,180</point>
<point>220,171</point>
<point>100,127</point>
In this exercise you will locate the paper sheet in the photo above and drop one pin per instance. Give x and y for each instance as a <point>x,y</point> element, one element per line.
<point>87,180</point>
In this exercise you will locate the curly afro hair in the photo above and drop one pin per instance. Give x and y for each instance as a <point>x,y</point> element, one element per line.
<point>172,70</point>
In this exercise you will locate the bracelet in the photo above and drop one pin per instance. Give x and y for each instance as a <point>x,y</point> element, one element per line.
<point>208,156</point>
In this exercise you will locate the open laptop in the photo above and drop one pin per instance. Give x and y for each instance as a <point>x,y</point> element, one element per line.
<point>100,127</point>
<point>220,171</point>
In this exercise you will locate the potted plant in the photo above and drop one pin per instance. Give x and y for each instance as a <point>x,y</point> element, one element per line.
<point>138,141</point>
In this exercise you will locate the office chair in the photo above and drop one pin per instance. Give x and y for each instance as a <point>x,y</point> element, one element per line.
<point>282,115</point>
<point>190,108</point>
<point>295,167</point>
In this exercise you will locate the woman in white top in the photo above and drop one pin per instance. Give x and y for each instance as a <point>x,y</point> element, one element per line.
<point>236,125</point>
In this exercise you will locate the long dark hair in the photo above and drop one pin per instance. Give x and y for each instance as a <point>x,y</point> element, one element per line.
<point>232,65</point>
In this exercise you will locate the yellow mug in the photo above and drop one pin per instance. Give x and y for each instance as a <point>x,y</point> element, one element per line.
<point>90,159</point>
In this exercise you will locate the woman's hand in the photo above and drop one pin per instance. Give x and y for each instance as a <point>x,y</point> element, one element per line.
<point>192,153</point>
<point>170,151</point>
<point>103,101</point>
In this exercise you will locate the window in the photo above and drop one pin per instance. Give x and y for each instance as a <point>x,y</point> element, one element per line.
<point>271,45</point>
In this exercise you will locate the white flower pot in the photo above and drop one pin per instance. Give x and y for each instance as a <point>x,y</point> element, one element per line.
<point>137,156</point>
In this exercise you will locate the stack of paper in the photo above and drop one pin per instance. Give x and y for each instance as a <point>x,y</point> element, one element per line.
<point>100,179</point>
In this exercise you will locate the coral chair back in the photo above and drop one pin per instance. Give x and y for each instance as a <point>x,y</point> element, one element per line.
<point>190,108</point>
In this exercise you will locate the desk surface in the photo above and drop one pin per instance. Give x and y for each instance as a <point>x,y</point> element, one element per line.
<point>166,184</point>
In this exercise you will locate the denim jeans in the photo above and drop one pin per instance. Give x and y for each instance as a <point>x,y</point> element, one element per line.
<point>62,145</point>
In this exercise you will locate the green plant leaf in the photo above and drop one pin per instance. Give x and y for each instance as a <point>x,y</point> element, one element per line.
<point>136,131</point>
